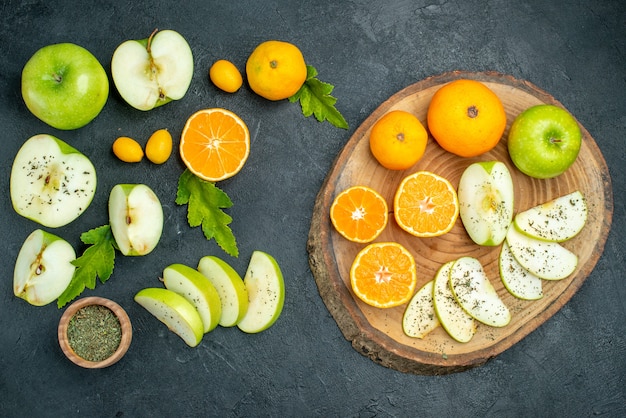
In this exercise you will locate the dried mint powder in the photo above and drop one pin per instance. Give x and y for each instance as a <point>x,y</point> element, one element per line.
<point>94,332</point>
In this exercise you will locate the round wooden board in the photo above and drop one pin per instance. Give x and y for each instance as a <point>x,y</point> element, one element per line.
<point>377,333</point>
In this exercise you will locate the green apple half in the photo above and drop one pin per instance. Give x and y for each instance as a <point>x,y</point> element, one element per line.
<point>172,309</point>
<point>266,293</point>
<point>546,260</point>
<point>64,85</point>
<point>486,198</point>
<point>520,282</point>
<point>544,141</point>
<point>475,293</point>
<point>557,220</point>
<point>229,286</point>
<point>198,290</point>
<point>43,268</point>
<point>457,323</point>
<point>152,72</point>
<point>52,183</point>
<point>136,218</point>
<point>419,317</point>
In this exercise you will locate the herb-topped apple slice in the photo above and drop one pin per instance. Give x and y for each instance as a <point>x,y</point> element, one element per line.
<point>520,282</point>
<point>558,220</point>
<point>457,323</point>
<point>420,318</point>
<point>52,183</point>
<point>475,293</point>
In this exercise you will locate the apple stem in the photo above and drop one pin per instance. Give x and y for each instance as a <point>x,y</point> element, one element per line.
<point>150,39</point>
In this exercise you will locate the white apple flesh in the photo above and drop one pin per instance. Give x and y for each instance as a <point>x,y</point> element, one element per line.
<point>52,183</point>
<point>266,293</point>
<point>457,323</point>
<point>420,318</point>
<point>516,279</point>
<point>176,312</point>
<point>43,268</point>
<point>546,260</point>
<point>486,198</point>
<point>475,293</point>
<point>229,286</point>
<point>557,220</point>
<point>136,218</point>
<point>198,290</point>
<point>154,71</point>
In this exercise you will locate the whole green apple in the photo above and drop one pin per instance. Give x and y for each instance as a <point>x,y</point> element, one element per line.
<point>64,85</point>
<point>544,141</point>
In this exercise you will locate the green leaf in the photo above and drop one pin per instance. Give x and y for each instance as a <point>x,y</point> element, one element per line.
<point>315,99</point>
<point>205,202</point>
<point>97,261</point>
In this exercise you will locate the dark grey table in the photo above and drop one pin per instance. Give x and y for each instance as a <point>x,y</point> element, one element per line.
<point>573,365</point>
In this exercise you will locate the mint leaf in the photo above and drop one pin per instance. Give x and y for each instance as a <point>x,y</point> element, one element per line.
<point>315,99</point>
<point>205,202</point>
<point>97,261</point>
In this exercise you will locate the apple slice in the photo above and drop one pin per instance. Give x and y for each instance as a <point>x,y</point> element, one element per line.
<point>266,293</point>
<point>198,290</point>
<point>475,293</point>
<point>557,220</point>
<point>43,268</point>
<point>152,72</point>
<point>486,201</point>
<point>136,218</point>
<point>546,260</point>
<point>229,286</point>
<point>457,323</point>
<point>52,183</point>
<point>172,309</point>
<point>420,317</point>
<point>520,282</point>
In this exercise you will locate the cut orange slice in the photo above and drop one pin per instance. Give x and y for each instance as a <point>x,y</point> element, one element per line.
<point>215,144</point>
<point>425,205</point>
<point>359,214</point>
<point>383,275</point>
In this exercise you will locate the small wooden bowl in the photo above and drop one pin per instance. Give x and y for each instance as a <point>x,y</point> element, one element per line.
<point>120,313</point>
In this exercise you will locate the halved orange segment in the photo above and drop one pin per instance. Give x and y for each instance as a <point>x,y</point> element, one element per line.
<point>359,214</point>
<point>425,205</point>
<point>383,275</point>
<point>215,144</point>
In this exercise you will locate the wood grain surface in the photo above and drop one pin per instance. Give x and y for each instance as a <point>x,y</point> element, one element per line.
<point>377,333</point>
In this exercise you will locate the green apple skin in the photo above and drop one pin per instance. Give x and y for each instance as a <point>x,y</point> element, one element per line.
<point>198,290</point>
<point>64,85</point>
<point>419,317</point>
<point>544,141</point>
<point>151,72</point>
<point>457,323</point>
<point>266,293</point>
<point>230,287</point>
<point>176,312</point>
<point>486,199</point>
<point>43,268</point>
<point>52,183</point>
<point>136,218</point>
<point>475,293</point>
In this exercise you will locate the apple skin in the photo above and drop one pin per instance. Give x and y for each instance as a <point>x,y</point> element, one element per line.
<point>43,268</point>
<point>544,141</point>
<point>64,85</point>
<point>136,218</point>
<point>52,183</point>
